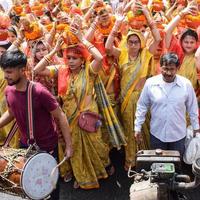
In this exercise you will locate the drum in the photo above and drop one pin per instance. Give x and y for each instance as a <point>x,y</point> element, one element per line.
<point>27,174</point>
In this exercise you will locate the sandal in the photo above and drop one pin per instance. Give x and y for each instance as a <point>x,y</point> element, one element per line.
<point>68,177</point>
<point>76,185</point>
<point>110,170</point>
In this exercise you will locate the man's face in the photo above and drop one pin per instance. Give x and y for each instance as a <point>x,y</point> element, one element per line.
<point>169,72</point>
<point>13,75</point>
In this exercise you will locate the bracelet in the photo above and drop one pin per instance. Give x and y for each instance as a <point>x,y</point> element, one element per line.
<point>93,26</point>
<point>114,33</point>
<point>89,47</point>
<point>17,42</point>
<point>47,59</point>
<point>86,43</point>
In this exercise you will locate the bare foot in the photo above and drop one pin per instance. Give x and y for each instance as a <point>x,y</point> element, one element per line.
<point>68,177</point>
<point>76,185</point>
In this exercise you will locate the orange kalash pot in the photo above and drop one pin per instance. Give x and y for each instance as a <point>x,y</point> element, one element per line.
<point>18,9</point>
<point>144,2</point>
<point>4,24</point>
<point>43,1</point>
<point>48,26</point>
<point>157,5</point>
<point>38,9</point>
<point>136,21</point>
<point>27,8</point>
<point>35,33</point>
<point>181,2</point>
<point>3,34</point>
<point>61,27</point>
<point>182,23</point>
<point>193,21</point>
<point>25,1</point>
<point>68,37</point>
<point>66,5</point>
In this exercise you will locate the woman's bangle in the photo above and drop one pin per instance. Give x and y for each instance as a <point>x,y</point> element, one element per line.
<point>17,42</point>
<point>114,33</point>
<point>47,59</point>
<point>152,25</point>
<point>93,26</point>
<point>89,47</point>
<point>86,43</point>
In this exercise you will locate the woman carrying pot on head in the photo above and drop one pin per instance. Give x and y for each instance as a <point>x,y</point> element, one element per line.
<point>76,87</point>
<point>136,64</point>
<point>186,47</point>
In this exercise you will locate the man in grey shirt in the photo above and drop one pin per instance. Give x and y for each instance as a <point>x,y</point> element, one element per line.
<point>168,96</point>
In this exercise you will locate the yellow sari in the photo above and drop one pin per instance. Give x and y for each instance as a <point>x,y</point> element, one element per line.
<point>188,69</point>
<point>90,155</point>
<point>108,84</point>
<point>141,69</point>
<point>3,107</point>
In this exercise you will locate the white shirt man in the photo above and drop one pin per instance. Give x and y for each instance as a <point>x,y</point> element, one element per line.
<point>169,97</point>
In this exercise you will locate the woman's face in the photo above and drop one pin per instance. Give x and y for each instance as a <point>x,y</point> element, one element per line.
<point>11,36</point>
<point>25,24</point>
<point>104,17</point>
<point>45,20</point>
<point>134,44</point>
<point>74,62</point>
<point>40,51</point>
<point>189,44</point>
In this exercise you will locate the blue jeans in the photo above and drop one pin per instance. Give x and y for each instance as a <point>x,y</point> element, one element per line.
<point>177,146</point>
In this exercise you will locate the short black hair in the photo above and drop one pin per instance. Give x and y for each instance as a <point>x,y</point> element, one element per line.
<point>169,58</point>
<point>13,59</point>
<point>191,33</point>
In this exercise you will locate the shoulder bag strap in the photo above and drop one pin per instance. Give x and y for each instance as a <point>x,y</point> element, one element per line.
<point>10,135</point>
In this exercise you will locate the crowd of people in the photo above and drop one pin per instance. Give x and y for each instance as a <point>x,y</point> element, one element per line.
<point>109,74</point>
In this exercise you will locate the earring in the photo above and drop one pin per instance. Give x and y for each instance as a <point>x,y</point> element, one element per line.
<point>82,65</point>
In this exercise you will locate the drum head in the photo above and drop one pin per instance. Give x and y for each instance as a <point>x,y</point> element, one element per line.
<point>36,180</point>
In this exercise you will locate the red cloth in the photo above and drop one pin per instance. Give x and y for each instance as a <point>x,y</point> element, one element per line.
<point>175,47</point>
<point>43,103</point>
<point>63,78</point>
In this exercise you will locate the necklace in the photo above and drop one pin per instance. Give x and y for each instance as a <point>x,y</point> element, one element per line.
<point>106,30</point>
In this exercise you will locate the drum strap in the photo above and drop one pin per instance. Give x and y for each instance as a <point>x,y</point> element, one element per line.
<point>30,114</point>
<point>10,135</point>
<point>29,117</point>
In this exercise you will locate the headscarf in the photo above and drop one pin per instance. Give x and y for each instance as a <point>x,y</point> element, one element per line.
<point>130,33</point>
<point>77,50</point>
<point>139,35</point>
<point>34,46</point>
